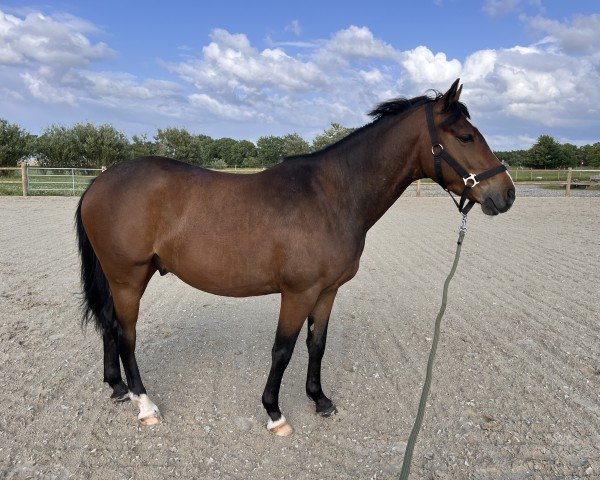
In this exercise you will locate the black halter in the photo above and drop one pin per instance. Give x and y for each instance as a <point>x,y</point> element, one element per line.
<point>470,179</point>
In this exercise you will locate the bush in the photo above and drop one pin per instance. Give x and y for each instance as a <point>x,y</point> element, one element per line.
<point>218,163</point>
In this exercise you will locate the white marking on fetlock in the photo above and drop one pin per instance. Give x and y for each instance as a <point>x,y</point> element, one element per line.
<point>275,423</point>
<point>147,407</point>
<point>280,427</point>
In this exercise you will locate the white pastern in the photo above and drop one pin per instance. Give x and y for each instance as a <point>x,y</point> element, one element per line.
<point>146,406</point>
<point>275,423</point>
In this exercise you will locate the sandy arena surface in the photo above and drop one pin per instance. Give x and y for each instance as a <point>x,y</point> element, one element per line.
<point>516,392</point>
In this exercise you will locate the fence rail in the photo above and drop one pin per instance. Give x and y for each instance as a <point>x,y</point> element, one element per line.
<point>30,180</point>
<point>62,181</point>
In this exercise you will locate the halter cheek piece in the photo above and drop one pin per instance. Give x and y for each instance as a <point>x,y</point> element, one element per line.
<point>470,179</point>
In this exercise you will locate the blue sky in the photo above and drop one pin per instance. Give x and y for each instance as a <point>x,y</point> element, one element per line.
<point>229,69</point>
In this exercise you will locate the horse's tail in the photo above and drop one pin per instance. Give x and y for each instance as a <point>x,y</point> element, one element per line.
<point>97,302</point>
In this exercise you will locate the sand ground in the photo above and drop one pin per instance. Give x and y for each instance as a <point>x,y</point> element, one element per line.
<point>516,390</point>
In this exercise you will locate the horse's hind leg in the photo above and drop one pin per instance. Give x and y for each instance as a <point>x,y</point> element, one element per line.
<point>112,368</point>
<point>315,341</point>
<point>126,298</point>
<point>294,310</point>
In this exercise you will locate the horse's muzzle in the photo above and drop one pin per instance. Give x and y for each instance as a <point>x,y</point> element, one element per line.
<point>496,202</point>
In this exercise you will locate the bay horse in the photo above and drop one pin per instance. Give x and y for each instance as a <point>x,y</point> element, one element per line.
<point>297,229</point>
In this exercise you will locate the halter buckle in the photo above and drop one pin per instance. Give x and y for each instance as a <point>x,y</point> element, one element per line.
<point>470,178</point>
<point>433,147</point>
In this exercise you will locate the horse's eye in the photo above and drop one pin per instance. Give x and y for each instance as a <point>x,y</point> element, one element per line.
<point>465,138</point>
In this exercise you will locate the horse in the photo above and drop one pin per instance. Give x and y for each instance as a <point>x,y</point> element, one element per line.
<point>297,229</point>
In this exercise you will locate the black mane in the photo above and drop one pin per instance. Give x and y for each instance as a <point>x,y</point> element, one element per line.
<point>400,105</point>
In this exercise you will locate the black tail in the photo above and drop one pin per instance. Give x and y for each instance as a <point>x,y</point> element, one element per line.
<point>97,302</point>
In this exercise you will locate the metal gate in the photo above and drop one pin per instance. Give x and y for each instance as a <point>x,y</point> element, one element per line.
<point>59,181</point>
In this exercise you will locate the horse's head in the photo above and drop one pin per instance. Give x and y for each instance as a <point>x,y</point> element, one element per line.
<point>463,157</point>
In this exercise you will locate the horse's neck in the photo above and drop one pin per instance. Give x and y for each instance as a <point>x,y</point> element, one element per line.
<point>370,173</point>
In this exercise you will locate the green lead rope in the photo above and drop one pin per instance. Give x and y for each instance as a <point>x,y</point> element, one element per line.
<point>412,439</point>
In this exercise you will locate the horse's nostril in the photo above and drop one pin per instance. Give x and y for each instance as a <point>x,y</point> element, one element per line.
<point>510,194</point>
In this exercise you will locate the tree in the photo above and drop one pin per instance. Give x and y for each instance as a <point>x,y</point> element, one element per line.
<point>57,147</point>
<point>271,150</point>
<point>546,153</point>
<point>223,149</point>
<point>243,151</point>
<point>15,144</point>
<point>180,144</point>
<point>331,135</point>
<point>513,158</point>
<point>82,145</point>
<point>571,155</point>
<point>203,144</point>
<point>101,145</point>
<point>590,155</point>
<point>294,144</point>
<point>142,147</point>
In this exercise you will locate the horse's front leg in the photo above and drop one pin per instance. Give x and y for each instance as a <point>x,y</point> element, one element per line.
<point>294,310</point>
<point>315,341</point>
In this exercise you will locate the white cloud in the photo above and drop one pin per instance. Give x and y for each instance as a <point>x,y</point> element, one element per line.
<point>294,27</point>
<point>223,110</point>
<point>498,8</point>
<point>534,84</point>
<point>581,34</point>
<point>372,77</point>
<point>42,39</point>
<point>45,91</point>
<point>9,94</point>
<point>230,62</point>
<point>425,68</point>
<point>479,65</point>
<point>355,43</point>
<point>51,64</point>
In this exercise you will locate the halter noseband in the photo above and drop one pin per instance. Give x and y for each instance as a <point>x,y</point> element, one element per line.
<point>470,179</point>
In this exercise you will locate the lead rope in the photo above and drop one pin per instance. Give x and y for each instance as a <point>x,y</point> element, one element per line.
<point>412,439</point>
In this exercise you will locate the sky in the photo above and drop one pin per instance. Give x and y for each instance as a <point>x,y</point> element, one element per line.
<point>249,69</point>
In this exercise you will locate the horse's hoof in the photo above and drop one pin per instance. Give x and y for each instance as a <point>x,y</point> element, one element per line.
<point>280,427</point>
<point>328,411</point>
<point>151,420</point>
<point>149,413</point>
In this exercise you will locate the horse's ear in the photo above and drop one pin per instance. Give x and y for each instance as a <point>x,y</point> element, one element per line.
<point>453,94</point>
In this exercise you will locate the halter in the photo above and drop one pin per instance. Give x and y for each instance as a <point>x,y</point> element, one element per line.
<point>470,179</point>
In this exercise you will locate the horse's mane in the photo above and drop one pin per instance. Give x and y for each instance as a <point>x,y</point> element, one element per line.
<point>400,105</point>
<point>394,107</point>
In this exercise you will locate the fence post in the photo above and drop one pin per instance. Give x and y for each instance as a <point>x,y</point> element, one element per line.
<point>418,188</point>
<point>73,180</point>
<point>24,177</point>
<point>568,189</point>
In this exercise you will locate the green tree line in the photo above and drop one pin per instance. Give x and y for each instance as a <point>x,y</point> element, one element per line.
<point>92,146</point>
<point>546,152</point>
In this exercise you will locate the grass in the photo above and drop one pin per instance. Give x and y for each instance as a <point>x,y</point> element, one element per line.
<point>531,175</point>
<point>563,187</point>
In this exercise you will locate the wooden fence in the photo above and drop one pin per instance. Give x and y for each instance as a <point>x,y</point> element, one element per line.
<point>567,178</point>
<point>72,181</point>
